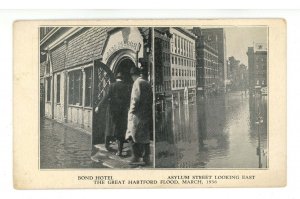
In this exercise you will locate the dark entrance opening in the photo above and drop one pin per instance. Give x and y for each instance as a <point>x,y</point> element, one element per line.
<point>124,67</point>
<point>103,76</point>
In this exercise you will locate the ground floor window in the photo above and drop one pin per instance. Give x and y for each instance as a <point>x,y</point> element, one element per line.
<point>75,87</point>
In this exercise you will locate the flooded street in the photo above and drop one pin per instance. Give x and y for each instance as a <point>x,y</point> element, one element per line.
<point>64,147</point>
<point>217,132</point>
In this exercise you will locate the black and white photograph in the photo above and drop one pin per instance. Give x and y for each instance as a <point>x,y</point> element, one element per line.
<point>153,97</point>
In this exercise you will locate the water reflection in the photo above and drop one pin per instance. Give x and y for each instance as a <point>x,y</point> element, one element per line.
<point>218,132</point>
<point>64,147</point>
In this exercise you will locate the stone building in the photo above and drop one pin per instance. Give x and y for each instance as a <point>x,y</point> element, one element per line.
<point>183,59</point>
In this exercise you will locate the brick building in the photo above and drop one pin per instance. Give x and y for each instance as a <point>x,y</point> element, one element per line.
<point>257,65</point>
<point>207,62</point>
<point>78,63</point>
<point>218,37</point>
<point>162,61</point>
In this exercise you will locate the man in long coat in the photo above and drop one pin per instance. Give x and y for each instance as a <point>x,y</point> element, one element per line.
<point>118,95</point>
<point>140,117</point>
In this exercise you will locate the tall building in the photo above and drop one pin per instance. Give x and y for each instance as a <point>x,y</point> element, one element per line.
<point>183,60</point>
<point>162,59</point>
<point>217,36</point>
<point>207,62</point>
<point>257,65</point>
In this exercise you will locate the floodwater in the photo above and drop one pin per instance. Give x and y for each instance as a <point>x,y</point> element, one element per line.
<point>216,132</point>
<point>64,147</point>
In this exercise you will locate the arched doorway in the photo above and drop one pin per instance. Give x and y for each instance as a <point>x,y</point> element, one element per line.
<point>124,66</point>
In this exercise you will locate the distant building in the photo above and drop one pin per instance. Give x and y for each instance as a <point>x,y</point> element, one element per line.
<point>233,76</point>
<point>257,65</point>
<point>207,62</point>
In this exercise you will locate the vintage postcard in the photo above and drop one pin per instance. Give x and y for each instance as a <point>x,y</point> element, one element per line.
<point>149,103</point>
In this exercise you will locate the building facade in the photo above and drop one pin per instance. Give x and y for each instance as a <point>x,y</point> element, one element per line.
<point>182,59</point>
<point>257,65</point>
<point>162,54</point>
<point>207,63</point>
<point>78,63</point>
<point>218,37</point>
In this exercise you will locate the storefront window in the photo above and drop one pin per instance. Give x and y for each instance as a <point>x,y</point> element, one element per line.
<point>75,88</point>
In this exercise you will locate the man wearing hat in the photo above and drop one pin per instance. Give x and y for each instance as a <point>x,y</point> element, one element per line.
<point>140,117</point>
<point>118,95</point>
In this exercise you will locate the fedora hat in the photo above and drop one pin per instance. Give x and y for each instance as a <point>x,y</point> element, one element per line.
<point>134,71</point>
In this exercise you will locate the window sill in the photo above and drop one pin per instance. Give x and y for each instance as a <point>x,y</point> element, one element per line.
<point>75,106</point>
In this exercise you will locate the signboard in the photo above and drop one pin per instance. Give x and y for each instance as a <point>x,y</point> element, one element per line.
<point>125,38</point>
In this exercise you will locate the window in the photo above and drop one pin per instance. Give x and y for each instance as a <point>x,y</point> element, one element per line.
<point>75,88</point>
<point>58,89</point>
<point>88,86</point>
<point>48,89</point>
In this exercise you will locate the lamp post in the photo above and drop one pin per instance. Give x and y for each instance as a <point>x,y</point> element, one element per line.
<point>258,150</point>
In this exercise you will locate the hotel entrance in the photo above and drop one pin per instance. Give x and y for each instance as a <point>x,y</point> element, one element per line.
<point>122,50</point>
<point>103,77</point>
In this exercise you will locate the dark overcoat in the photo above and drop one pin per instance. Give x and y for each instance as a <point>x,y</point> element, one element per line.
<point>118,98</point>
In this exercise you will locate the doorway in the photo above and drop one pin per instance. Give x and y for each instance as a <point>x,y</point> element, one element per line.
<point>124,67</point>
<point>103,76</point>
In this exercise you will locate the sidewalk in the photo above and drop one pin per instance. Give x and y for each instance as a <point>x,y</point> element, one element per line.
<point>63,146</point>
<point>110,160</point>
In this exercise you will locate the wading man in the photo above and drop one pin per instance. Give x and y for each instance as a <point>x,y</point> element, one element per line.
<point>140,117</point>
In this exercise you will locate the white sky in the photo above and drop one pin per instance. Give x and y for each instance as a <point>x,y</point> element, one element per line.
<point>238,39</point>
